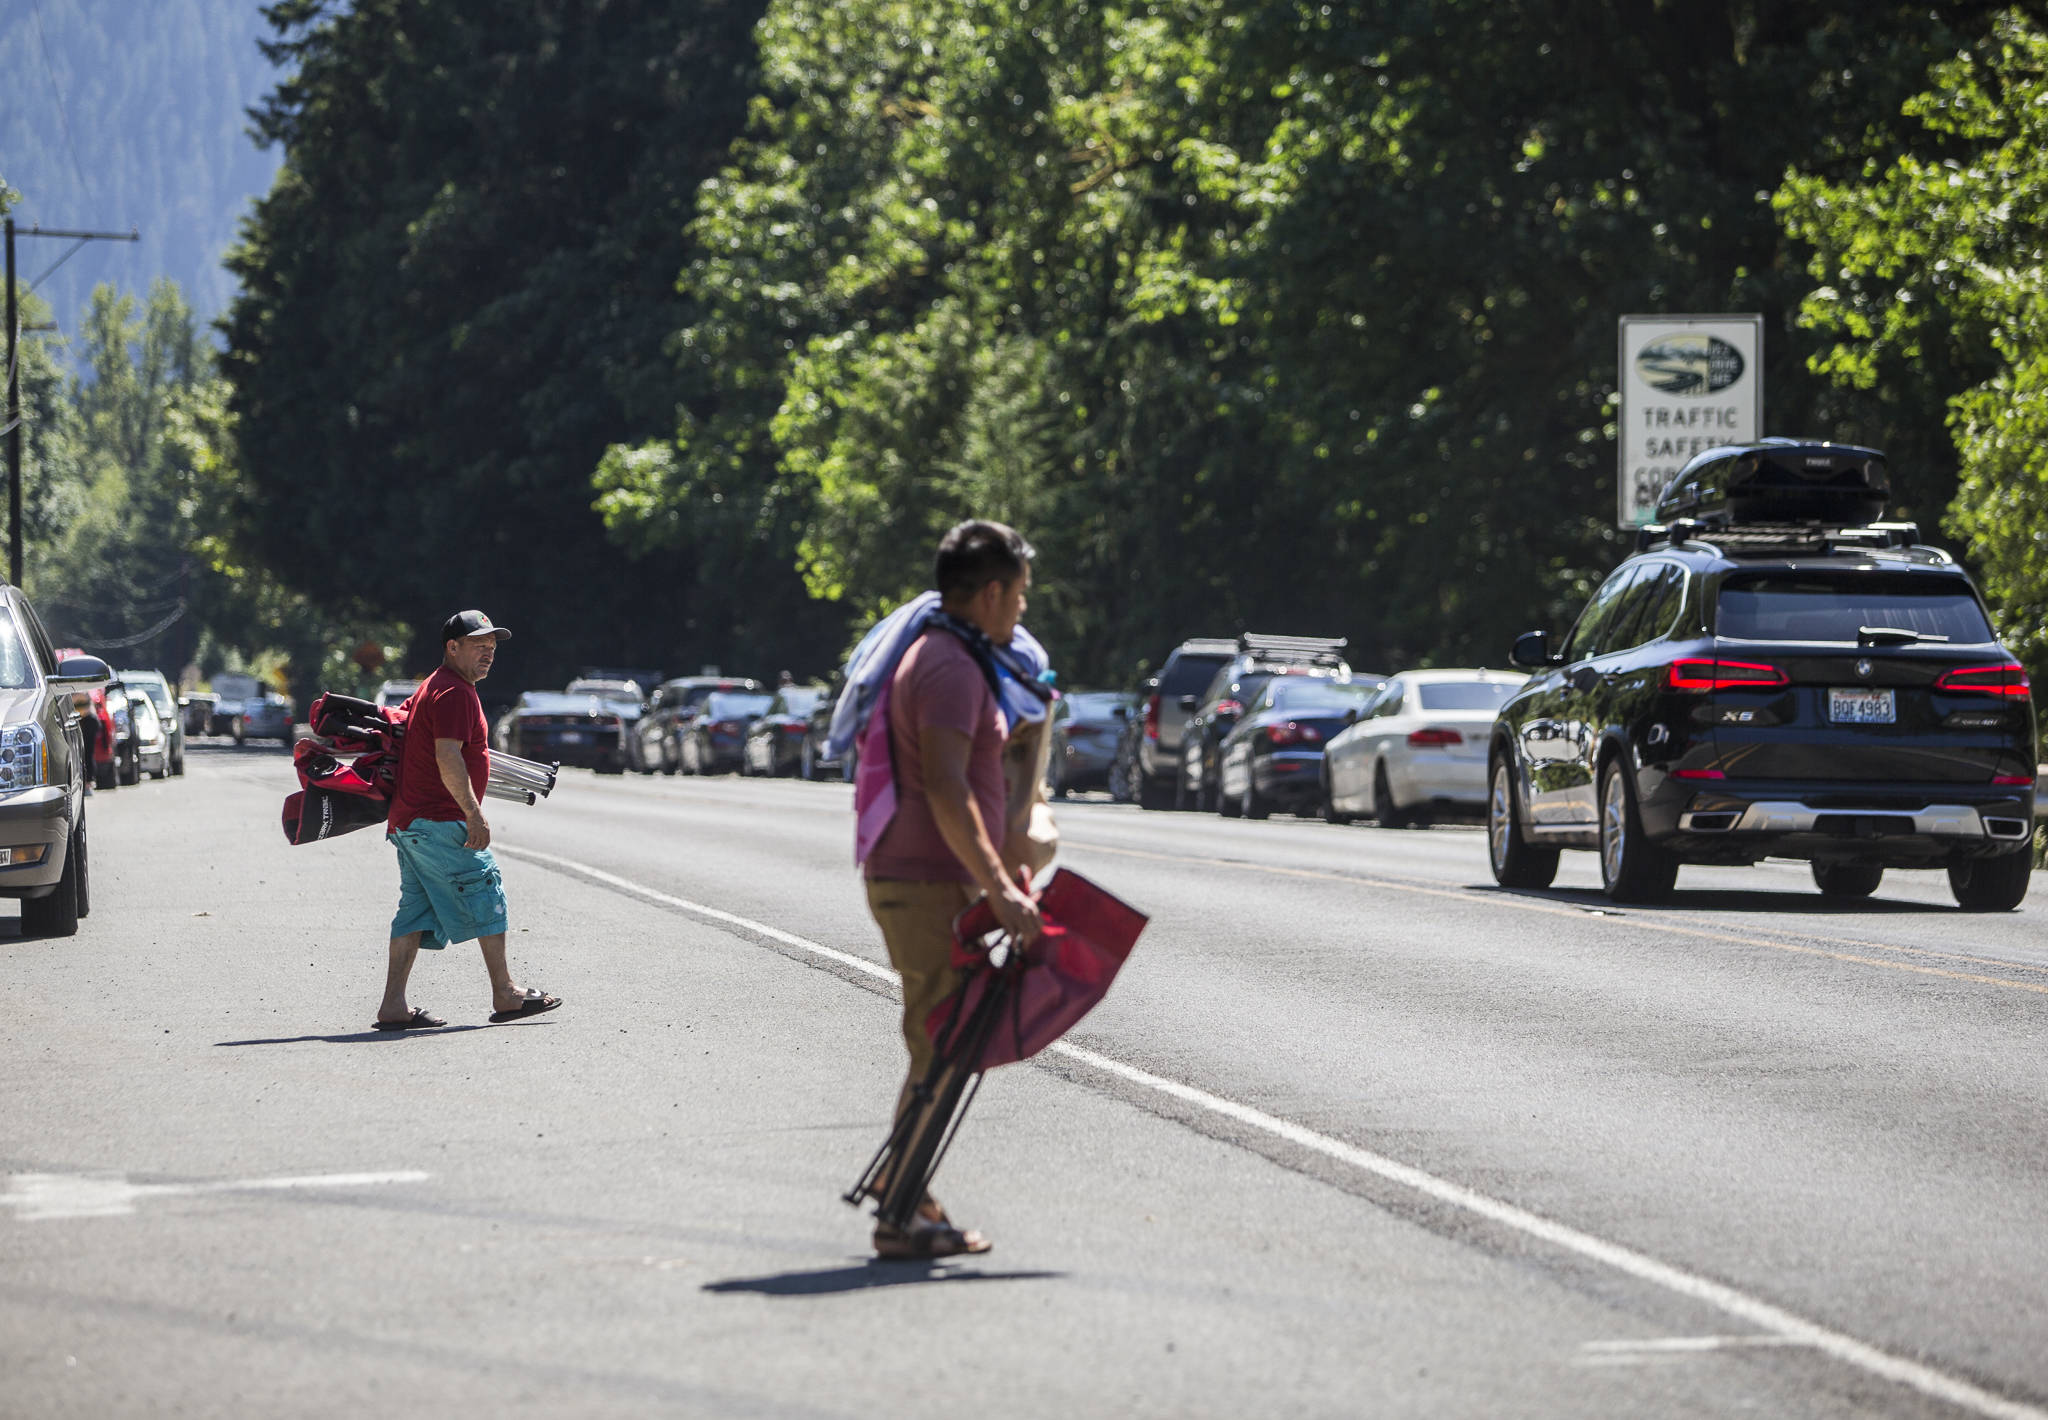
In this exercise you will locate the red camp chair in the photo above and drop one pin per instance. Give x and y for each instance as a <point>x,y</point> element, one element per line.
<point>1009,1006</point>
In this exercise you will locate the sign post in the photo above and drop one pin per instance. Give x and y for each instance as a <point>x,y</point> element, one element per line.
<point>1688,383</point>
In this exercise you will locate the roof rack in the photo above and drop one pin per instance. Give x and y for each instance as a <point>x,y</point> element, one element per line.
<point>1777,539</point>
<point>1294,650</point>
<point>1209,646</point>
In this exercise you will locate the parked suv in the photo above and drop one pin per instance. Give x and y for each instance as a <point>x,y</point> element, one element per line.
<point>1235,685</point>
<point>43,772</point>
<point>1149,757</point>
<point>656,743</point>
<point>1798,688</point>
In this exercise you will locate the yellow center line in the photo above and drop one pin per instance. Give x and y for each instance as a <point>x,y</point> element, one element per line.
<point>1522,904</point>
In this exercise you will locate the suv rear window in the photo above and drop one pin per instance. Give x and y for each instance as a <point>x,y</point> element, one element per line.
<point>1788,606</point>
<point>1189,675</point>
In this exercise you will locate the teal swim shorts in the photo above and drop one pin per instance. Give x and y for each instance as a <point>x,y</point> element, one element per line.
<point>446,892</point>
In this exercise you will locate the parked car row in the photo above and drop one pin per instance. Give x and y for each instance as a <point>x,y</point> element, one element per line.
<point>687,725</point>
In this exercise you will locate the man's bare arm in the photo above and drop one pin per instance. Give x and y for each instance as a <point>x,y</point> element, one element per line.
<point>455,778</point>
<point>946,788</point>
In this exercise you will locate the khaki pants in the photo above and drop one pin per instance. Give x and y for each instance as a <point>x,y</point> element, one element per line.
<point>917,924</point>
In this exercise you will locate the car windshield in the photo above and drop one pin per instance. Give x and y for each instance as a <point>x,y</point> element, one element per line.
<point>15,671</point>
<point>722,706</point>
<point>1790,606</point>
<point>1292,693</point>
<point>1466,694</point>
<point>151,685</point>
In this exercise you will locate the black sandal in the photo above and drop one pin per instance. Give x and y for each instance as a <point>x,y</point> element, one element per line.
<point>418,1020</point>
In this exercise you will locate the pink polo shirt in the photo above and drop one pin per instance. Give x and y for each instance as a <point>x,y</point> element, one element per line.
<point>939,685</point>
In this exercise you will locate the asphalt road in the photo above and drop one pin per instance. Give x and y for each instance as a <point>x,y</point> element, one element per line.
<point>1356,1133</point>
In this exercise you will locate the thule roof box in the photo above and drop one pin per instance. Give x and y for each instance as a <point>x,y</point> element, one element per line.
<point>1779,483</point>
<point>1294,650</point>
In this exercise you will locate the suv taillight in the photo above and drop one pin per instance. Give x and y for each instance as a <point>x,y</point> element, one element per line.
<point>1293,734</point>
<point>1435,738</point>
<point>2009,680</point>
<point>1152,716</point>
<point>1696,675</point>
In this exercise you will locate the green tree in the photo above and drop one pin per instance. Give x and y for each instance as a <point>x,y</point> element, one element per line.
<point>1932,291</point>
<point>1258,314</point>
<point>456,296</point>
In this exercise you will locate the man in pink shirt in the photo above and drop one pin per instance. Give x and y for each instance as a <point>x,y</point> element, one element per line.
<point>945,846</point>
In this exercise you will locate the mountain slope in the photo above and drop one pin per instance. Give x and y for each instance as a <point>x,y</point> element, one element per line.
<point>117,115</point>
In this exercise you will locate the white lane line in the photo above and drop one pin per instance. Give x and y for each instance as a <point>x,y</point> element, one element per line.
<point>39,1197</point>
<point>1787,1327</point>
<point>1663,1350</point>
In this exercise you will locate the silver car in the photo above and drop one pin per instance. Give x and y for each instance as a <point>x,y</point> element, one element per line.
<point>267,716</point>
<point>168,711</point>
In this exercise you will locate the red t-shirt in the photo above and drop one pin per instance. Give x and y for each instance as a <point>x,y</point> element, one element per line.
<point>445,708</point>
<point>939,684</point>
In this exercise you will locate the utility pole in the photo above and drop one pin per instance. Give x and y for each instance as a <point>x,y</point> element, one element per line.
<point>14,375</point>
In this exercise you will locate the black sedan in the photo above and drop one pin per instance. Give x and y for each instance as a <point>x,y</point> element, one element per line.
<point>1272,758</point>
<point>775,742</point>
<point>554,726</point>
<point>715,741</point>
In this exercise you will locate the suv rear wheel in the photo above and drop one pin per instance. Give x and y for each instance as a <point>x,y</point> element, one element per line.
<point>1632,869</point>
<point>1991,884</point>
<point>1515,863</point>
<point>1847,879</point>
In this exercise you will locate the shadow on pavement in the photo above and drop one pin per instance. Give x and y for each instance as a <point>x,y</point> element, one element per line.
<point>363,1035</point>
<point>868,1275</point>
<point>1808,904</point>
<point>228,749</point>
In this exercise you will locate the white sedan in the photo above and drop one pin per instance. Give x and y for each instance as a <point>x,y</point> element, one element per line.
<point>1418,748</point>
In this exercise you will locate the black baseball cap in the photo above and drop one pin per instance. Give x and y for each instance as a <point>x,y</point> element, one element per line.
<point>469,623</point>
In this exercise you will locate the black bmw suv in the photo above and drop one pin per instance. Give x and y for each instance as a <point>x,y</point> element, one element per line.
<point>1774,674</point>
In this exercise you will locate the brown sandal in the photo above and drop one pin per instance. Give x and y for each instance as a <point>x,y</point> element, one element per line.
<point>925,1240</point>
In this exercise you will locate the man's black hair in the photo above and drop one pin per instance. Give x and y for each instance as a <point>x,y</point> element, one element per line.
<point>976,553</point>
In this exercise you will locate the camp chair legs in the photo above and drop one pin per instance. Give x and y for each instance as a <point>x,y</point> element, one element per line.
<point>900,1174</point>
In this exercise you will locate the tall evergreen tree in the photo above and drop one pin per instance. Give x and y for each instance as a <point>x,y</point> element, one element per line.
<point>458,293</point>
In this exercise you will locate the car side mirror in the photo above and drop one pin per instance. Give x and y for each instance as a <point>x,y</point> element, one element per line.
<point>1350,717</point>
<point>1187,702</point>
<point>82,671</point>
<point>1532,649</point>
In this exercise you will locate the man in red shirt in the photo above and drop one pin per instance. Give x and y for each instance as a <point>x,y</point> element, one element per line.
<point>945,846</point>
<point>449,888</point>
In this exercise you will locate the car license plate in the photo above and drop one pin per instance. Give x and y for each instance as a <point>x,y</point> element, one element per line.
<point>1862,707</point>
<point>572,737</point>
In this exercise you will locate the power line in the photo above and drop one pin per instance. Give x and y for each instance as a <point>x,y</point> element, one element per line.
<point>63,118</point>
<point>141,636</point>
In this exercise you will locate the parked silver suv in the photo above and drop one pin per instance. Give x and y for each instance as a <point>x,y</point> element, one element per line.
<point>43,773</point>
